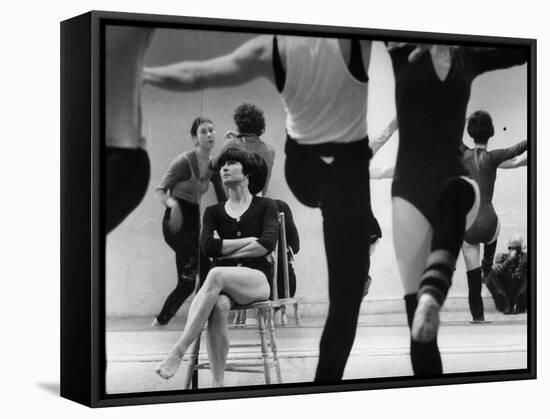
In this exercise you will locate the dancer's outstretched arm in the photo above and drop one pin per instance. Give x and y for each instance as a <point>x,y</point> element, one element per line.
<point>251,60</point>
<point>517,161</point>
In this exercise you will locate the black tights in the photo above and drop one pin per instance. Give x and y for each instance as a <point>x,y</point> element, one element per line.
<point>340,189</point>
<point>474,294</point>
<point>489,250</point>
<point>185,244</point>
<point>475,281</point>
<point>448,233</point>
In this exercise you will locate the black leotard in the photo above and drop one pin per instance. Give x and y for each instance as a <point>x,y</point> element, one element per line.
<point>483,165</point>
<point>431,117</point>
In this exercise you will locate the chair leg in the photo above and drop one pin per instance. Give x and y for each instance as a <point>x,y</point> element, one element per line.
<point>265,354</point>
<point>240,318</point>
<point>273,342</point>
<point>284,320</point>
<point>191,373</point>
<point>297,316</point>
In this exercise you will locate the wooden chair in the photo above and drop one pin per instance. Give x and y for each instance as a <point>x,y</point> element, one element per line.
<point>266,326</point>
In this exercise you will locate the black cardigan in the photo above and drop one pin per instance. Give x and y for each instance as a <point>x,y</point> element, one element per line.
<point>259,220</point>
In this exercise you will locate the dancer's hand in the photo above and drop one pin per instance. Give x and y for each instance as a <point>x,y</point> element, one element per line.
<point>174,223</point>
<point>415,53</point>
<point>229,135</point>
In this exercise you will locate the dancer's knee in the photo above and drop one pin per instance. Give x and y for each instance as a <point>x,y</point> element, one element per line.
<point>214,279</point>
<point>222,306</point>
<point>220,312</point>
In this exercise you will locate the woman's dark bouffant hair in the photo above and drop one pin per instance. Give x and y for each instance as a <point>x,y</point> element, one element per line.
<point>197,123</point>
<point>249,119</point>
<point>480,127</point>
<point>257,182</point>
<point>253,166</point>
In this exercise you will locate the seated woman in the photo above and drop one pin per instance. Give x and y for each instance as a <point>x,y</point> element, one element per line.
<point>238,234</point>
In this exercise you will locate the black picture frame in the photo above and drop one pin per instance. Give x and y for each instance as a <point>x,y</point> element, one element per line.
<point>82,195</point>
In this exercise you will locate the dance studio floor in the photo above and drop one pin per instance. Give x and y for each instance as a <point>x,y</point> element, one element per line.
<point>380,349</point>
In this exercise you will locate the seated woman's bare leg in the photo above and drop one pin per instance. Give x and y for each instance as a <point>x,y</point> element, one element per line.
<point>243,285</point>
<point>217,341</point>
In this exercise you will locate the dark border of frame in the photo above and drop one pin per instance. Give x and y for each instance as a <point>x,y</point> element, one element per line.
<point>83,243</point>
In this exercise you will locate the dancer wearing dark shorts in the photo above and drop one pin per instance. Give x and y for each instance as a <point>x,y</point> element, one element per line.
<point>483,165</point>
<point>434,200</point>
<point>127,167</point>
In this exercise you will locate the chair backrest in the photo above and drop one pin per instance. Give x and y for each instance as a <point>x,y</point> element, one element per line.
<point>281,244</point>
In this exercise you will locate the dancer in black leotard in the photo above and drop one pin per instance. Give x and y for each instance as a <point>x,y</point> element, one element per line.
<point>432,195</point>
<point>482,165</point>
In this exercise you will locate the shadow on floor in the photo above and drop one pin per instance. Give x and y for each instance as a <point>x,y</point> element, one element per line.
<point>50,388</point>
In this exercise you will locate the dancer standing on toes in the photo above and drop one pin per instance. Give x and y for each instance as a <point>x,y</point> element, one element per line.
<point>433,199</point>
<point>483,165</point>
<point>323,83</point>
<point>180,191</point>
<point>238,234</point>
<point>127,167</point>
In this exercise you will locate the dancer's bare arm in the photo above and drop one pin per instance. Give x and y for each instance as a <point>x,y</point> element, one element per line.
<point>251,60</point>
<point>382,172</point>
<point>377,142</point>
<point>517,161</point>
<point>253,249</point>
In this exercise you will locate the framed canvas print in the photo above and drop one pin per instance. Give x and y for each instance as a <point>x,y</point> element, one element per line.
<point>257,209</point>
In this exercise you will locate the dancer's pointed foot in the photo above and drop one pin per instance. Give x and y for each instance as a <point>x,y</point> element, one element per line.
<point>167,368</point>
<point>426,319</point>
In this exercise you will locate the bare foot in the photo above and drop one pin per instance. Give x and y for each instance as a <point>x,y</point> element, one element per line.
<point>167,368</point>
<point>426,319</point>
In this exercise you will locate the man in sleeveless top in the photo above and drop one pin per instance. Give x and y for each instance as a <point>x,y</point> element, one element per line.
<point>323,84</point>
